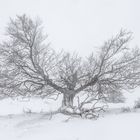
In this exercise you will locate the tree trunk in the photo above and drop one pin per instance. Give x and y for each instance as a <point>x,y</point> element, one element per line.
<point>68,100</point>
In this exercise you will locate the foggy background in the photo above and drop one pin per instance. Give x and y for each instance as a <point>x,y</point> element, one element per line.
<point>77,25</point>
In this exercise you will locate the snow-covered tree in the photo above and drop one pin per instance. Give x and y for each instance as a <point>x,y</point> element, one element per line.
<point>31,67</point>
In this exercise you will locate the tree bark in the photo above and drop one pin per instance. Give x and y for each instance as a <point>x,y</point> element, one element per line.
<point>68,99</point>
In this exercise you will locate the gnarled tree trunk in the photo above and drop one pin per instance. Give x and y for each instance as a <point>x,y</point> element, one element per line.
<point>68,98</point>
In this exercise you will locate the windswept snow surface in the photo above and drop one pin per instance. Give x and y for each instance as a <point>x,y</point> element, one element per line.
<point>39,127</point>
<point>18,123</point>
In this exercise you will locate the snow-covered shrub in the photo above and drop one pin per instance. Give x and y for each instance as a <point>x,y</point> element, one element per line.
<point>137,103</point>
<point>27,111</point>
<point>125,109</point>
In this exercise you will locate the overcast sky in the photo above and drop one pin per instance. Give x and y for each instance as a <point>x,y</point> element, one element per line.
<point>77,25</point>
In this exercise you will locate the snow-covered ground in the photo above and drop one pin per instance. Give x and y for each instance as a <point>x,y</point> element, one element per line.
<point>35,127</point>
<point>17,124</point>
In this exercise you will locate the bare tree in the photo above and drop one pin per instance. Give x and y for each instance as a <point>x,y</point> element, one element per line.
<point>32,68</point>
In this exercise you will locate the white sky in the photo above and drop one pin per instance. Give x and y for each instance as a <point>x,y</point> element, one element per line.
<point>77,25</point>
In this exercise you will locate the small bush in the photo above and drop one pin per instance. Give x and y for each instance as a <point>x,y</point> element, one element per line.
<point>137,103</point>
<point>125,109</point>
<point>27,111</point>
